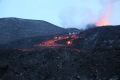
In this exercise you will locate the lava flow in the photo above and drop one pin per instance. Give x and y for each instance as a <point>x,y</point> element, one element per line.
<point>52,42</point>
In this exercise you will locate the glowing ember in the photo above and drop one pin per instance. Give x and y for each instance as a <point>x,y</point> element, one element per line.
<point>69,42</point>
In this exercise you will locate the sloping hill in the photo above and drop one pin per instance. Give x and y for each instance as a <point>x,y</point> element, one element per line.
<point>99,59</point>
<point>97,38</point>
<point>15,28</point>
<point>107,37</point>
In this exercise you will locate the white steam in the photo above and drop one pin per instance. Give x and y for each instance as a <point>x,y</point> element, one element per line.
<point>76,17</point>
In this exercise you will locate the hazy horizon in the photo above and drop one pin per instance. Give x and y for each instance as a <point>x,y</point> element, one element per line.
<point>63,13</point>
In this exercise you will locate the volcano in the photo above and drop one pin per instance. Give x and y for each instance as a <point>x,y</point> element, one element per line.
<point>65,54</point>
<point>12,29</point>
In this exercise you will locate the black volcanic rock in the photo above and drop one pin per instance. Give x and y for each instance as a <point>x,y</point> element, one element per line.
<point>15,28</point>
<point>59,64</point>
<point>99,59</point>
<point>107,37</point>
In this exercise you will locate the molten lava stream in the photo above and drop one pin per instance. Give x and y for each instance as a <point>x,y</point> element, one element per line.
<point>52,43</point>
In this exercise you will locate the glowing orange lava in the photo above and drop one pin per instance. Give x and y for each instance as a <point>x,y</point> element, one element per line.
<point>104,21</point>
<point>69,42</point>
<point>49,43</point>
<point>52,42</point>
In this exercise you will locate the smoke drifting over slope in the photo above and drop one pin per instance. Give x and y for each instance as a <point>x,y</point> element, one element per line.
<point>80,17</point>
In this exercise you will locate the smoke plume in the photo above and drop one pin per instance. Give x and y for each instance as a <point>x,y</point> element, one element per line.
<point>80,17</point>
<point>72,17</point>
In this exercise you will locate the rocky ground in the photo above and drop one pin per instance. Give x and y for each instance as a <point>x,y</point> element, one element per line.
<point>59,64</point>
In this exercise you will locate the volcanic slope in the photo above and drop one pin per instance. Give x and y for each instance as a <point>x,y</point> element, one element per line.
<point>99,38</point>
<point>16,28</point>
<point>96,61</point>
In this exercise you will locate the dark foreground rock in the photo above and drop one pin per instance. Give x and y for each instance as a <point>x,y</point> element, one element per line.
<point>59,64</point>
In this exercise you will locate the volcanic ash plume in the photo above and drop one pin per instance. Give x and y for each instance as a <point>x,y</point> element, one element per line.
<point>73,17</point>
<point>106,11</point>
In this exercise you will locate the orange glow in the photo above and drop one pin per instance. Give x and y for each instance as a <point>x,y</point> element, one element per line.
<point>104,21</point>
<point>49,43</point>
<point>69,42</point>
<point>74,36</point>
<point>52,42</point>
